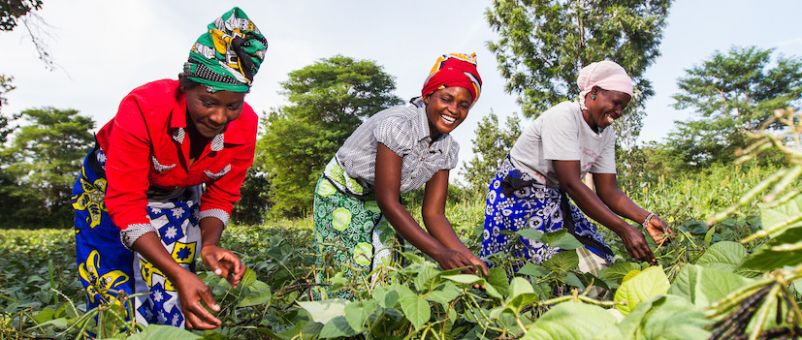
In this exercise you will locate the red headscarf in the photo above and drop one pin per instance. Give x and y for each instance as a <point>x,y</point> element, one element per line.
<point>454,69</point>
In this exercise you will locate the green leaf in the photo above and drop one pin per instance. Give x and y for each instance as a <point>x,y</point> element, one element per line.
<point>727,253</point>
<point>356,313</point>
<point>463,278</point>
<point>425,273</point>
<point>614,274</point>
<point>497,277</point>
<point>665,317</point>
<point>444,294</point>
<point>563,262</point>
<point>648,284</point>
<point>533,270</point>
<point>704,285</point>
<point>325,310</point>
<point>782,213</point>
<point>520,286</point>
<point>572,280</point>
<point>258,294</point>
<point>521,294</point>
<point>162,332</point>
<point>530,234</point>
<point>416,309</point>
<point>337,327</point>
<point>248,278</point>
<point>562,239</point>
<point>574,320</point>
<point>784,249</point>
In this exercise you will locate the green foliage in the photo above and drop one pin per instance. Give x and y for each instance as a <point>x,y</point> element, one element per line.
<point>733,93</point>
<point>544,43</point>
<point>254,198</point>
<point>328,101</point>
<point>40,166</point>
<point>491,144</point>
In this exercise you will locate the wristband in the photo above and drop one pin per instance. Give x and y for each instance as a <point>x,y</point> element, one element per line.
<point>648,218</point>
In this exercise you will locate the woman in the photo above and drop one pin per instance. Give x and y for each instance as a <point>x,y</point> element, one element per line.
<point>167,140</point>
<point>393,152</point>
<point>547,162</point>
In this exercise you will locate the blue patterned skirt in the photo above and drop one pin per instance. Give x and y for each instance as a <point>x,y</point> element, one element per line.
<point>108,270</point>
<point>532,205</point>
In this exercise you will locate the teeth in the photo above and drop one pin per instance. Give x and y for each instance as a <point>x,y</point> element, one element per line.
<point>448,120</point>
<point>610,119</point>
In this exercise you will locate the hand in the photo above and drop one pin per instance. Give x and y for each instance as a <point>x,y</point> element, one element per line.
<point>475,262</point>
<point>223,263</point>
<point>449,259</point>
<point>191,291</point>
<point>659,230</point>
<point>636,244</point>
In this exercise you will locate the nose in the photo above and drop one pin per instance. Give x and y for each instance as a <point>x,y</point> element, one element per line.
<point>218,117</point>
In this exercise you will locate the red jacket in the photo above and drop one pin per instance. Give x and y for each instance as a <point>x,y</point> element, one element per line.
<point>146,144</point>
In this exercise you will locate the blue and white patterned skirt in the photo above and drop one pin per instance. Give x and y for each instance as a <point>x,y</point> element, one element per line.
<point>533,205</point>
<point>106,267</point>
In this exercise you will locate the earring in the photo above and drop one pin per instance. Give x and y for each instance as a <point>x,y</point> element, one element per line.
<point>593,97</point>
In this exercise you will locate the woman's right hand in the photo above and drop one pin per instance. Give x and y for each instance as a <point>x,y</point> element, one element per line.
<point>636,244</point>
<point>191,291</point>
<point>450,258</point>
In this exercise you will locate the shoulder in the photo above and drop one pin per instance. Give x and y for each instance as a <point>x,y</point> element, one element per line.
<point>564,109</point>
<point>156,91</point>
<point>400,116</point>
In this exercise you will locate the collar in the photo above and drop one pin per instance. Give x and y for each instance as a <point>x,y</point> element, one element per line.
<point>178,124</point>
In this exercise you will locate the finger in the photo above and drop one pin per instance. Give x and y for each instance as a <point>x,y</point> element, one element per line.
<point>214,264</point>
<point>194,313</point>
<point>234,267</point>
<point>208,299</point>
<point>205,320</point>
<point>484,267</point>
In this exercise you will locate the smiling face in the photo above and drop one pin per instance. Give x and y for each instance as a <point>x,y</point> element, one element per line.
<point>607,107</point>
<point>447,108</point>
<point>211,112</point>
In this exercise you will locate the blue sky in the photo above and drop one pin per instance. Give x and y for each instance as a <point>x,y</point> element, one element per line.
<point>104,49</point>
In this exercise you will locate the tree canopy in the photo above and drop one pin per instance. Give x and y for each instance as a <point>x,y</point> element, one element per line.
<point>328,100</point>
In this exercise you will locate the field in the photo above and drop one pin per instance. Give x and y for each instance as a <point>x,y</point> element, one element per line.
<point>706,285</point>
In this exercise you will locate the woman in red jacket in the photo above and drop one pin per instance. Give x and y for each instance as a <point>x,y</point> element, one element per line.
<point>142,214</point>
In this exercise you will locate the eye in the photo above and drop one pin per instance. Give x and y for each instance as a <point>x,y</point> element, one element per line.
<point>234,107</point>
<point>446,98</point>
<point>465,105</point>
<point>207,103</point>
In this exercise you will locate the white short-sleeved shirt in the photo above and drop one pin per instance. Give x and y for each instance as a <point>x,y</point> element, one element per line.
<point>404,129</point>
<point>561,133</point>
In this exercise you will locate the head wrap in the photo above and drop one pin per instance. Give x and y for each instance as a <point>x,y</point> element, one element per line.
<point>604,74</point>
<point>454,69</point>
<point>228,55</point>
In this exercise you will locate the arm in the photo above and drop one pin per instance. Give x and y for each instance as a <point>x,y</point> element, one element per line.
<point>586,199</point>
<point>434,217</point>
<point>387,188</point>
<point>609,192</point>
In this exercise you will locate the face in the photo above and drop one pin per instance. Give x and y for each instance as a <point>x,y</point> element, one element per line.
<point>447,108</point>
<point>211,112</point>
<point>607,107</point>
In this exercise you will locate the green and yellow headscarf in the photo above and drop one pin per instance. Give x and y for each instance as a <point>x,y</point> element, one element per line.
<point>227,57</point>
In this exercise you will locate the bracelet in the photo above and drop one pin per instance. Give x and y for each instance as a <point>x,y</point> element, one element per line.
<point>648,218</point>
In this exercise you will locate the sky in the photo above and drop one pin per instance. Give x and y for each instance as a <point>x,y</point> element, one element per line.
<point>104,49</point>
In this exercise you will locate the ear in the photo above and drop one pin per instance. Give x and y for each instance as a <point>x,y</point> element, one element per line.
<point>595,90</point>
<point>426,98</point>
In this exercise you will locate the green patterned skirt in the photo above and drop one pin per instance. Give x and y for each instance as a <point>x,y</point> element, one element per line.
<point>351,235</point>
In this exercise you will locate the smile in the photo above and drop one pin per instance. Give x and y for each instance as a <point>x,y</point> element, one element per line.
<point>448,120</point>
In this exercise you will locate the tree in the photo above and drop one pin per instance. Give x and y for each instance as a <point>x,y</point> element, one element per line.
<point>328,100</point>
<point>13,10</point>
<point>41,164</point>
<point>733,93</point>
<point>490,146</point>
<point>543,44</point>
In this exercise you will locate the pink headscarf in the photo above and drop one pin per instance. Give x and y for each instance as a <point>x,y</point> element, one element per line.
<point>604,74</point>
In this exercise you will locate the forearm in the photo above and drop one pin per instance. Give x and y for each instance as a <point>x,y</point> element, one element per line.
<point>622,205</point>
<point>409,229</point>
<point>593,206</point>
<point>211,230</point>
<point>440,228</point>
<point>151,248</point>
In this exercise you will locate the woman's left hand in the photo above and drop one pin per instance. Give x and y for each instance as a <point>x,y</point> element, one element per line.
<point>223,263</point>
<point>658,230</point>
